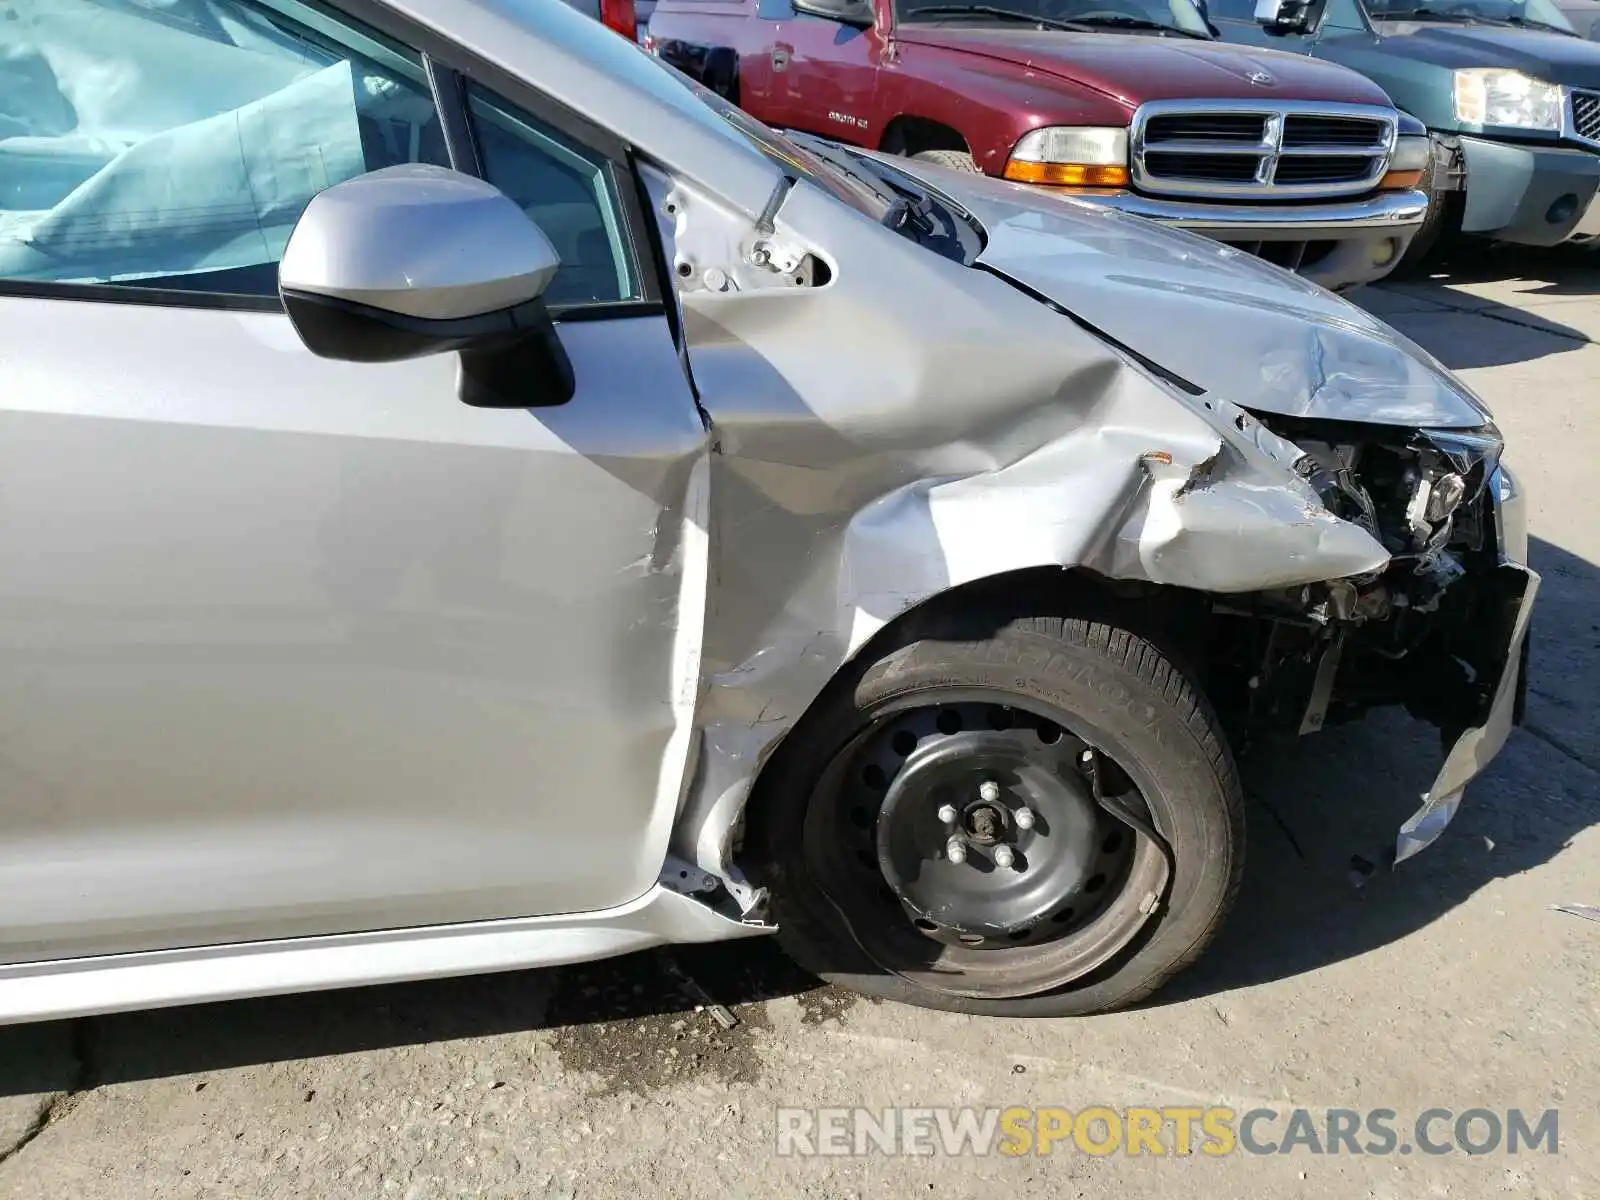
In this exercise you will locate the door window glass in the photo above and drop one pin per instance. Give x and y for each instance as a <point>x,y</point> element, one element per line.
<point>568,192</point>
<point>174,143</point>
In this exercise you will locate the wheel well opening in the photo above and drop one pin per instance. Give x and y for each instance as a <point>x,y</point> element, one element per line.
<point>1167,616</point>
<point>721,74</point>
<point>912,135</point>
<point>1173,619</point>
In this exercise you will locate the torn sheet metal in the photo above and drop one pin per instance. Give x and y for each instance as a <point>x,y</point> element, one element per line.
<point>930,446</point>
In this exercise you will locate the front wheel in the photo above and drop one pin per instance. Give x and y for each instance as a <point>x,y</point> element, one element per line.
<point>954,160</point>
<point>1041,821</point>
<point>1441,228</point>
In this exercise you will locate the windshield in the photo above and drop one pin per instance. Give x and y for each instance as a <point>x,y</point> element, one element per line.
<point>1541,14</point>
<point>1112,16</point>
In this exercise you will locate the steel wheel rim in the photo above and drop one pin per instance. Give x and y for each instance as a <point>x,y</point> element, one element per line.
<point>977,928</point>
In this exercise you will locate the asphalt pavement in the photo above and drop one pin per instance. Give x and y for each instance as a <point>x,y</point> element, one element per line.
<point>1449,984</point>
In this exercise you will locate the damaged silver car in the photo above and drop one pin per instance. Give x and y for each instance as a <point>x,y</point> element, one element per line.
<point>475,501</point>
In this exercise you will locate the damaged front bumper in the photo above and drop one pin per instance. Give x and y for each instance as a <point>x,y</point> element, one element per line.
<point>1478,744</point>
<point>1441,630</point>
<point>1505,633</point>
<point>1531,195</point>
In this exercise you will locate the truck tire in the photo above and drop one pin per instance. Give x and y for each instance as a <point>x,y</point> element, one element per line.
<point>721,74</point>
<point>1439,227</point>
<point>955,160</point>
<point>1117,879</point>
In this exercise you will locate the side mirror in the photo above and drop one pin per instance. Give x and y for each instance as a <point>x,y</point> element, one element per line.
<point>1286,16</point>
<point>416,260</point>
<point>857,13</point>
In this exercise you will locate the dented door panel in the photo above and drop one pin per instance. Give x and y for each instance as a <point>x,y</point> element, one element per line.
<point>291,647</point>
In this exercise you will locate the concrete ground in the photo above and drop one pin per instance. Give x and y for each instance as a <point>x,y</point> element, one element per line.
<point>1448,984</point>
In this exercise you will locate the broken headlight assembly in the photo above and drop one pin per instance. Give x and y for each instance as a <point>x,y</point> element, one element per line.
<point>1422,631</point>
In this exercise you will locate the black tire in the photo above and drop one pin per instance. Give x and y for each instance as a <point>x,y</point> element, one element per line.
<point>1112,689</point>
<point>721,75</point>
<point>955,160</point>
<point>1440,228</point>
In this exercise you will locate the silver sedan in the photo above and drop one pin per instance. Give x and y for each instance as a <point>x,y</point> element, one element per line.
<point>470,500</point>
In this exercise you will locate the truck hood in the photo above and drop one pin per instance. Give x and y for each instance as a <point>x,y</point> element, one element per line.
<point>1135,69</point>
<point>1223,319</point>
<point>1556,57</point>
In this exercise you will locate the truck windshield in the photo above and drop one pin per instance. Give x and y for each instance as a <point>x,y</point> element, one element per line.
<point>1160,17</point>
<point>1535,14</point>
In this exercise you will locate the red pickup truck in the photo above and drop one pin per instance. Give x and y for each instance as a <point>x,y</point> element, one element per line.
<point>1128,103</point>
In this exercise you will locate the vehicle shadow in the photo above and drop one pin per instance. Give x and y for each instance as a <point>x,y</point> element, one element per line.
<point>1541,270</point>
<point>1442,310</point>
<point>653,988</point>
<point>1496,337</point>
<point>1324,811</point>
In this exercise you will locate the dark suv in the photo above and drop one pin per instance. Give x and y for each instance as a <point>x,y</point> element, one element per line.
<point>1510,93</point>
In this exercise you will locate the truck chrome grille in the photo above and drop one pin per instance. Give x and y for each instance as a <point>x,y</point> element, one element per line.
<point>1200,127</point>
<point>1359,132</point>
<point>1225,168</point>
<point>1261,149</point>
<point>1585,115</point>
<point>1330,168</point>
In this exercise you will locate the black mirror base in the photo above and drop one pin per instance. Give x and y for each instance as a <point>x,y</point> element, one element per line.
<point>511,358</point>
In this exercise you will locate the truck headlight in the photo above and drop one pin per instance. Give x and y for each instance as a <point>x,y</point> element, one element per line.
<point>1492,96</point>
<point>1072,156</point>
<point>1408,164</point>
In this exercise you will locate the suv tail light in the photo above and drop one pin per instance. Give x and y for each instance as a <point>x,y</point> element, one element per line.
<point>620,16</point>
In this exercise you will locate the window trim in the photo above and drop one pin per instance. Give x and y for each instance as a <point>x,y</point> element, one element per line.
<point>449,90</point>
<point>598,140</point>
<point>486,108</point>
<point>447,68</point>
<point>149,297</point>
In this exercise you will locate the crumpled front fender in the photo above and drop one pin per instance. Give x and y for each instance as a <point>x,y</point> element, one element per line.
<point>914,425</point>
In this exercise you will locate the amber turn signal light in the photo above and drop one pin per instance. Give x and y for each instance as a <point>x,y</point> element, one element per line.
<point>1067,174</point>
<point>1396,181</point>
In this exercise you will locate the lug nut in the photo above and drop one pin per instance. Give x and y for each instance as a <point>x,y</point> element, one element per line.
<point>1003,856</point>
<point>1024,818</point>
<point>947,814</point>
<point>956,851</point>
<point>989,790</point>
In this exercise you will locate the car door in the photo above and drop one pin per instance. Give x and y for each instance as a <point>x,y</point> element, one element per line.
<point>724,45</point>
<point>825,75</point>
<point>291,646</point>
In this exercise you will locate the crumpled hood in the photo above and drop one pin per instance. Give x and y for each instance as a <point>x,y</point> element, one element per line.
<point>1557,57</point>
<point>1242,328</point>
